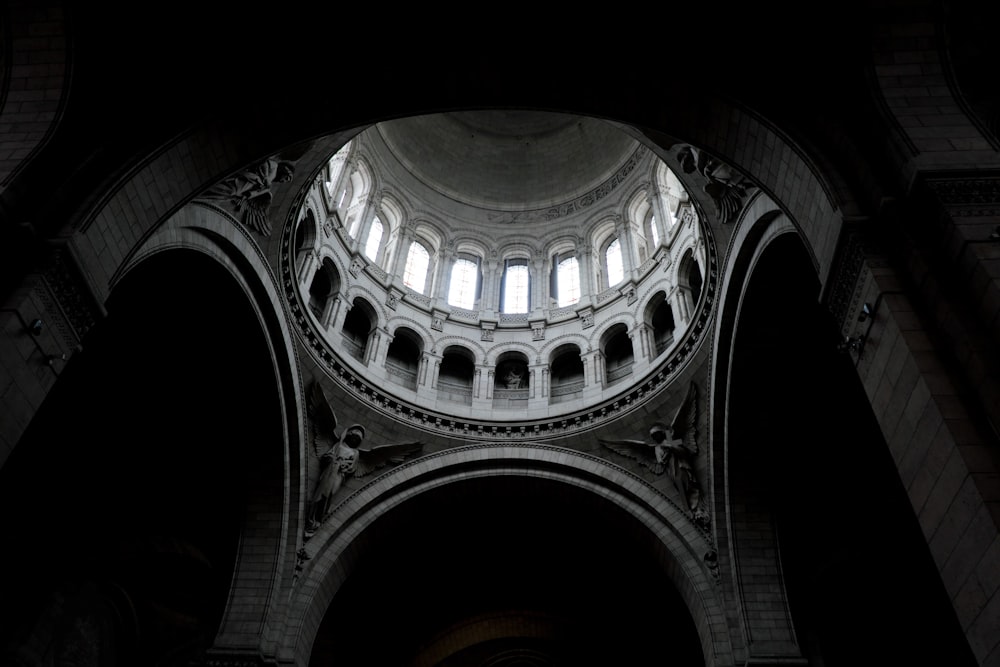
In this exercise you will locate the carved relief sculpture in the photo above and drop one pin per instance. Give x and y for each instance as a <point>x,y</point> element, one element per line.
<point>249,192</point>
<point>673,450</point>
<point>342,456</point>
<point>725,185</point>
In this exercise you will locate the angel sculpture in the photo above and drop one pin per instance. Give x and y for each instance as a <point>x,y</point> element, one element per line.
<point>249,191</point>
<point>341,456</point>
<point>673,449</point>
<point>725,185</point>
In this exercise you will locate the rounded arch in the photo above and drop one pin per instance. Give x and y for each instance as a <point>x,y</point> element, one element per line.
<point>511,371</point>
<point>567,376</point>
<point>690,278</point>
<point>403,355</point>
<point>323,288</point>
<point>359,323</point>
<point>355,192</point>
<point>456,374</point>
<point>658,316</point>
<point>231,449</point>
<point>338,553</point>
<point>619,355</point>
<point>305,232</point>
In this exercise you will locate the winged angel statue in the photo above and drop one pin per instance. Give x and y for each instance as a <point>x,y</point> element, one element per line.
<point>342,456</point>
<point>672,450</point>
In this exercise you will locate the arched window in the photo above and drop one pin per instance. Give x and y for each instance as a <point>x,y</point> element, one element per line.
<point>463,289</point>
<point>567,279</point>
<point>515,289</point>
<point>614,263</point>
<point>417,262</point>
<point>374,239</point>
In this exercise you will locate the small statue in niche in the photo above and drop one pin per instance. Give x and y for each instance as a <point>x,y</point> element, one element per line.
<point>513,378</point>
<point>341,456</point>
<point>725,186</point>
<point>249,191</point>
<point>673,450</point>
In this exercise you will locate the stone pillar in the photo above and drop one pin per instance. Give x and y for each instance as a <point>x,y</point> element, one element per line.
<point>679,306</point>
<point>491,285</point>
<point>647,346</point>
<point>661,217</point>
<point>585,255</point>
<point>442,275</point>
<point>627,241</point>
<point>330,312</point>
<point>488,375</point>
<point>308,262</point>
<point>399,263</point>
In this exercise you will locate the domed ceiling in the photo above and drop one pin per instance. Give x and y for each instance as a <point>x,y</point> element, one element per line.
<point>508,160</point>
<point>497,184</point>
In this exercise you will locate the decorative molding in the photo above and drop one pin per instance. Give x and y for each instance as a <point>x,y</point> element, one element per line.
<point>248,192</point>
<point>846,287</point>
<point>726,186</point>
<point>967,197</point>
<point>66,293</point>
<point>463,314</point>
<point>426,419</point>
<point>437,320</point>
<point>513,318</point>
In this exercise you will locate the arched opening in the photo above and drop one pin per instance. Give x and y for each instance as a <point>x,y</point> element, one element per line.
<point>323,289</point>
<point>618,354</point>
<point>566,374</point>
<point>140,463</point>
<point>690,280</point>
<point>825,491</point>
<point>305,238</point>
<point>402,360</point>
<point>456,375</point>
<point>511,382</point>
<point>660,320</point>
<point>359,322</point>
<point>507,547</point>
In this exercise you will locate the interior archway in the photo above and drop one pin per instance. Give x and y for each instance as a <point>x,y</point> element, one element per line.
<point>123,550</point>
<point>570,577</point>
<point>812,460</point>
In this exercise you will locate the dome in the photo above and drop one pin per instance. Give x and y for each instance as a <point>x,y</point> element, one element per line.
<point>503,267</point>
<point>507,160</point>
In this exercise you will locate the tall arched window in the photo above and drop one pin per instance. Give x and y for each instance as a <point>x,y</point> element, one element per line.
<point>463,289</point>
<point>613,262</point>
<point>567,280</point>
<point>514,297</point>
<point>417,261</point>
<point>374,239</point>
